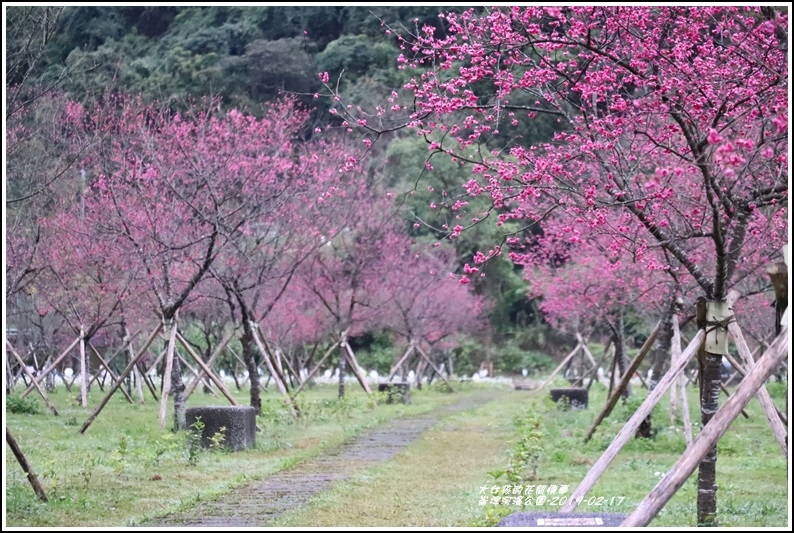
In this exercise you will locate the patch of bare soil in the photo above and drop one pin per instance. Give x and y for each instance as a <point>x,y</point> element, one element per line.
<point>260,502</point>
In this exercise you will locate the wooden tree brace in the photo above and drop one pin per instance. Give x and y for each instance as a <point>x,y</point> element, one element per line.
<point>627,432</point>
<point>218,383</point>
<point>122,377</point>
<point>23,462</point>
<point>50,368</point>
<point>709,435</point>
<point>35,383</point>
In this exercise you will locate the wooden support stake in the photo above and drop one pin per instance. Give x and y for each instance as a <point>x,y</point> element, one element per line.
<point>109,370</point>
<point>35,383</point>
<point>586,349</point>
<point>627,432</point>
<point>709,435</point>
<point>676,354</point>
<point>564,362</point>
<point>157,360</point>
<point>316,367</point>
<point>616,393</point>
<point>11,380</point>
<point>728,394</point>
<point>23,462</point>
<point>763,395</point>
<point>206,369</point>
<point>433,366</point>
<point>351,358</point>
<point>685,410</point>
<point>122,377</point>
<point>273,367</point>
<point>218,350</point>
<point>400,362</point>
<point>50,368</point>
<point>260,343</point>
<point>83,371</point>
<point>593,373</point>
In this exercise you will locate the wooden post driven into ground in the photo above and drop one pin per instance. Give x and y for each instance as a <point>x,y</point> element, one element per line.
<point>709,435</point>
<point>23,462</point>
<point>627,432</point>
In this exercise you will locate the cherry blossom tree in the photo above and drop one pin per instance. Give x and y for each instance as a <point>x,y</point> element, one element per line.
<point>172,188</point>
<point>427,306</point>
<point>299,207</point>
<point>348,274</point>
<point>672,118</point>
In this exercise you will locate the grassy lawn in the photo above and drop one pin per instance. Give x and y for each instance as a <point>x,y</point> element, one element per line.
<point>125,469</point>
<point>440,480</point>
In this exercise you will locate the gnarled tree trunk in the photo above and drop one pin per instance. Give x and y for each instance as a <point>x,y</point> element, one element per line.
<point>249,358</point>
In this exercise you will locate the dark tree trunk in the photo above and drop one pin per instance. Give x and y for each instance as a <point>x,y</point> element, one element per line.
<point>618,339</point>
<point>710,379</point>
<point>342,368</point>
<point>178,391</point>
<point>661,358</point>
<point>249,358</point>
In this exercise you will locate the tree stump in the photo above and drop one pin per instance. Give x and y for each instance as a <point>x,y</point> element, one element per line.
<point>577,397</point>
<point>236,423</point>
<point>396,392</point>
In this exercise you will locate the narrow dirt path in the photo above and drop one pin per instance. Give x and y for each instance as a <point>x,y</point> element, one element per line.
<point>260,502</point>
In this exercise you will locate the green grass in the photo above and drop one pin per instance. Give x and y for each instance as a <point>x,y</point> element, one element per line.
<point>125,469</point>
<point>97,479</point>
